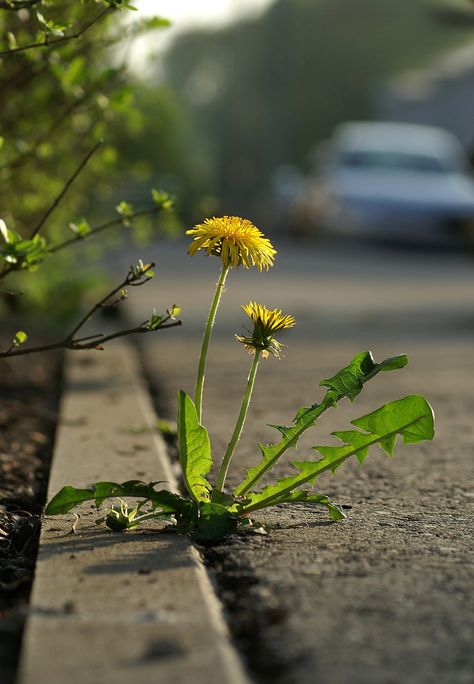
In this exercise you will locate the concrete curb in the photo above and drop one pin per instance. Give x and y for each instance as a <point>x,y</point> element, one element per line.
<point>108,607</point>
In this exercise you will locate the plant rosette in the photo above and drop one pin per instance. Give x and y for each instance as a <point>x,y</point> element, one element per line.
<point>208,512</point>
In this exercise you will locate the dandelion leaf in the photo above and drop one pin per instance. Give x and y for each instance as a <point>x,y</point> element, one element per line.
<point>272,452</point>
<point>411,418</point>
<point>298,496</point>
<point>348,382</point>
<point>194,448</point>
<point>215,522</point>
<point>69,497</point>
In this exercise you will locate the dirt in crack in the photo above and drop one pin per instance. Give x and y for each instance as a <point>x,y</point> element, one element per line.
<point>256,614</point>
<point>29,398</point>
<point>253,610</point>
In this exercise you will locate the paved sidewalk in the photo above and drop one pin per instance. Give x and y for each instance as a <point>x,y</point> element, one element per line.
<point>112,608</point>
<point>385,596</point>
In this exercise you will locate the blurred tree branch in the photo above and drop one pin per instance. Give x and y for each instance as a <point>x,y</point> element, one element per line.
<point>136,276</point>
<point>15,5</point>
<point>52,42</point>
<point>66,187</point>
<point>105,226</point>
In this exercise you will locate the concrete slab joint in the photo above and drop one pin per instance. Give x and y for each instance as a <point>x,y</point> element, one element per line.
<point>109,607</point>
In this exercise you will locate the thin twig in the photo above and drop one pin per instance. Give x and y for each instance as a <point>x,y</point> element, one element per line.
<point>66,187</point>
<point>128,280</point>
<point>9,268</point>
<point>77,345</point>
<point>96,340</point>
<point>50,42</point>
<point>103,226</point>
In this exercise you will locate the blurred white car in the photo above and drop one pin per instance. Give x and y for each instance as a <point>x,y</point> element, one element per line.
<point>397,182</point>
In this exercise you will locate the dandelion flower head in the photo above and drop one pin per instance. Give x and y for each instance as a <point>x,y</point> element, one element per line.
<point>236,240</point>
<point>266,323</point>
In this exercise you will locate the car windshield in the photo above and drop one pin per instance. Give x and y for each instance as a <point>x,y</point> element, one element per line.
<point>393,160</point>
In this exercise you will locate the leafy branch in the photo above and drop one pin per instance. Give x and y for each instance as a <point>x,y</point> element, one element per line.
<point>65,188</point>
<point>86,232</point>
<point>28,254</point>
<point>22,157</point>
<point>59,40</point>
<point>20,253</point>
<point>137,275</point>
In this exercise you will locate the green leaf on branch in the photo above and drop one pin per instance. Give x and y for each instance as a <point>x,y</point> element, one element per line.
<point>195,449</point>
<point>154,322</point>
<point>52,28</point>
<point>411,418</point>
<point>347,382</point>
<point>20,338</point>
<point>140,270</point>
<point>81,228</point>
<point>24,254</point>
<point>9,236</point>
<point>125,209</point>
<point>162,200</point>
<point>12,41</point>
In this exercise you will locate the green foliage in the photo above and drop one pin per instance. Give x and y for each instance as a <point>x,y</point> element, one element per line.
<point>140,269</point>
<point>62,91</point>
<point>124,209</point>
<point>162,199</point>
<point>20,338</point>
<point>81,228</point>
<point>86,85</point>
<point>69,497</point>
<point>154,321</point>
<point>411,418</point>
<point>51,27</point>
<point>211,514</point>
<point>194,449</point>
<point>348,382</point>
<point>21,253</point>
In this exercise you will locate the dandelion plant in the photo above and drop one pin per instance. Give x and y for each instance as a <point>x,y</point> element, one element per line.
<point>209,511</point>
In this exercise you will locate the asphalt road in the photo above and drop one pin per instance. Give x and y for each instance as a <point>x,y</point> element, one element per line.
<point>333,290</point>
<point>385,596</point>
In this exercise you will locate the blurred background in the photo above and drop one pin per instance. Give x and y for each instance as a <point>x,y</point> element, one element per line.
<point>261,97</point>
<point>343,128</point>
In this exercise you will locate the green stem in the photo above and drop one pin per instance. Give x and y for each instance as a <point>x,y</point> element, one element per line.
<point>206,340</point>
<point>240,423</point>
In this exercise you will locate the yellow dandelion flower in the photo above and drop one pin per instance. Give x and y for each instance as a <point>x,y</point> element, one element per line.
<point>236,240</point>
<point>265,324</point>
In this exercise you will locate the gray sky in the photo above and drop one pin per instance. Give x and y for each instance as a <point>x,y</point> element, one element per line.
<point>184,15</point>
<point>187,13</point>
